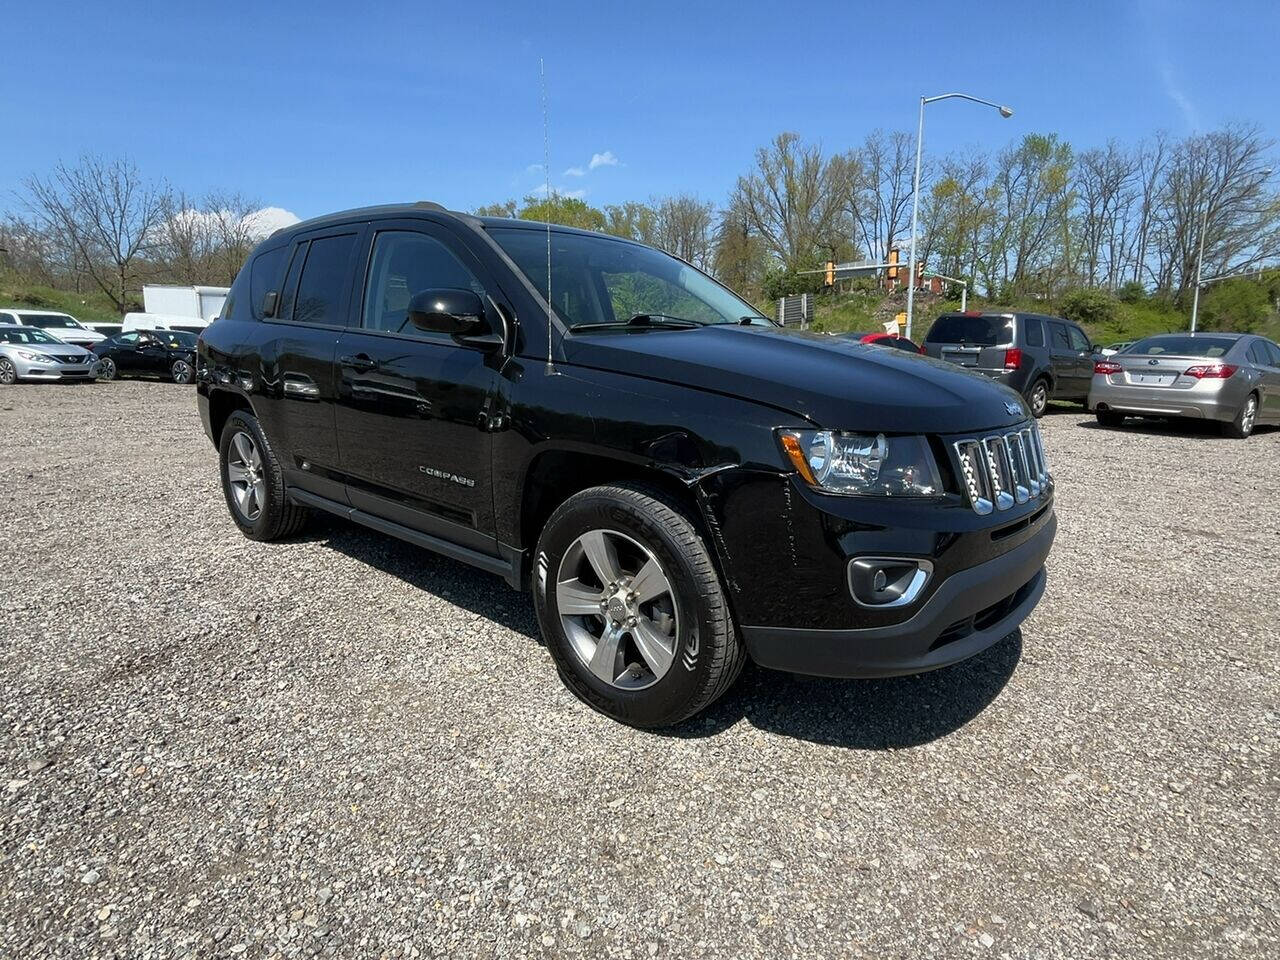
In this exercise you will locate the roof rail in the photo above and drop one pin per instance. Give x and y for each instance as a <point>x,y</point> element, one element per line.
<point>430,205</point>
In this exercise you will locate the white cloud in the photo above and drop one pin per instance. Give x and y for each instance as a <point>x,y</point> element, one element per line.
<point>606,159</point>
<point>270,219</point>
<point>576,172</point>
<point>533,168</point>
<point>541,191</point>
<point>1190,115</point>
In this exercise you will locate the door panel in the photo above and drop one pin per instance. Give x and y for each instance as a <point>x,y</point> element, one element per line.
<point>1084,361</point>
<point>412,414</point>
<point>1065,372</point>
<point>295,383</point>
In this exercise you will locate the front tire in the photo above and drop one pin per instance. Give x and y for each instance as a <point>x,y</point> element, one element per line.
<point>181,371</point>
<point>253,483</point>
<point>107,369</point>
<point>8,372</point>
<point>1245,419</point>
<point>1038,397</point>
<point>632,608</point>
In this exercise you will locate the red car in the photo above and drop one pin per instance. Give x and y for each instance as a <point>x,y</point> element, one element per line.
<point>884,340</point>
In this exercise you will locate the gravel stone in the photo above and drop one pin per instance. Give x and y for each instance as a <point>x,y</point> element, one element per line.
<point>409,777</point>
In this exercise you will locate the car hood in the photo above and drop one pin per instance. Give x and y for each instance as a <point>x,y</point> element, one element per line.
<point>834,383</point>
<point>78,335</point>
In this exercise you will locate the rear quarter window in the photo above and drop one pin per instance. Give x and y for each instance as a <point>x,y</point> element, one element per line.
<point>1032,332</point>
<point>266,273</point>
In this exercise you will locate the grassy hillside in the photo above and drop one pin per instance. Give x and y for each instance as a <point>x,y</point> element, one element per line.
<point>87,307</point>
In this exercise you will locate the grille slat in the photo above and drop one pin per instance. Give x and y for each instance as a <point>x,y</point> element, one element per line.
<point>1001,469</point>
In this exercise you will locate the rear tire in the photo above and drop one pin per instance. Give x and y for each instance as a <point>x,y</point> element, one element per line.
<point>1038,397</point>
<point>181,371</point>
<point>701,656</point>
<point>1245,420</point>
<point>253,483</point>
<point>1109,418</point>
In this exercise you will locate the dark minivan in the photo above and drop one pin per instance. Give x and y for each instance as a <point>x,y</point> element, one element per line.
<point>679,482</point>
<point>1043,358</point>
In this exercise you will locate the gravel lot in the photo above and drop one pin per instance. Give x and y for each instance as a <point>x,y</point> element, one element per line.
<point>345,746</point>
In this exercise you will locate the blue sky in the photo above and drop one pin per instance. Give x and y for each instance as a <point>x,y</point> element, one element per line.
<point>320,106</point>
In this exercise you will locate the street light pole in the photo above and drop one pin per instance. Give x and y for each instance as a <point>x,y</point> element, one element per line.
<point>1195,298</point>
<point>915,191</point>
<point>1204,225</point>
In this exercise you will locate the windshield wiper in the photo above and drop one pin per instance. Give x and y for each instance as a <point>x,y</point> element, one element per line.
<point>641,320</point>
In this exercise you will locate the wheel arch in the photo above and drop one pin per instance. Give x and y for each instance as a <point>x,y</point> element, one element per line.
<point>223,403</point>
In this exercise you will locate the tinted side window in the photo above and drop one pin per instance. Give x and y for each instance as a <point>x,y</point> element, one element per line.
<point>403,264</point>
<point>265,274</point>
<point>1033,332</point>
<point>1274,351</point>
<point>1078,340</point>
<point>1257,354</point>
<point>1059,334</point>
<point>325,277</point>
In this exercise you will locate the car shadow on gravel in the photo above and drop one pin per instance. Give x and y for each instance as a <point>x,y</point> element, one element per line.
<point>863,714</point>
<point>1199,429</point>
<point>474,590</point>
<point>883,714</point>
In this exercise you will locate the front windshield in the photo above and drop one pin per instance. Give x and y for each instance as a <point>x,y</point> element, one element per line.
<point>26,335</point>
<point>49,321</point>
<point>599,280</point>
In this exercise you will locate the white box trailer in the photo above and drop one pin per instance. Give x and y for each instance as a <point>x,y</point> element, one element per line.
<point>161,321</point>
<point>199,303</point>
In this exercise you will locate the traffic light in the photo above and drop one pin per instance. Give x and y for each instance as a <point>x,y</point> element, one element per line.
<point>831,273</point>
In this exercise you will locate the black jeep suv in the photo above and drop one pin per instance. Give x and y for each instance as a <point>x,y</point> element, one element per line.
<point>679,482</point>
<point>1043,358</point>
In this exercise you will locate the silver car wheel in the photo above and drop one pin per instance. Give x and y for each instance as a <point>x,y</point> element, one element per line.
<point>107,369</point>
<point>1039,398</point>
<point>181,371</point>
<point>244,473</point>
<point>618,609</point>
<point>8,372</point>
<point>1249,414</point>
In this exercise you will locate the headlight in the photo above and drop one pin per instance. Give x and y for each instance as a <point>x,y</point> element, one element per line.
<point>30,357</point>
<point>863,464</point>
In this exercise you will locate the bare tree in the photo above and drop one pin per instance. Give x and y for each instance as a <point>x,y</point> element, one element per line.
<point>793,199</point>
<point>185,241</point>
<point>683,227</point>
<point>1105,187</point>
<point>880,190</point>
<point>236,230</point>
<point>107,213</point>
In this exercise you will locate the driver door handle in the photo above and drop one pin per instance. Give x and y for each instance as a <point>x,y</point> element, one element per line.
<point>361,362</point>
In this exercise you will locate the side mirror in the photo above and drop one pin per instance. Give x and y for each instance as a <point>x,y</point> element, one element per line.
<point>457,313</point>
<point>1096,349</point>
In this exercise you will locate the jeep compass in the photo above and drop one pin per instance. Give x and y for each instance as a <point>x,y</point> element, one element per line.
<point>680,483</point>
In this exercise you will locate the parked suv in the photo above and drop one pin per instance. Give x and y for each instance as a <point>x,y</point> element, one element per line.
<point>1043,358</point>
<point>61,325</point>
<point>679,482</point>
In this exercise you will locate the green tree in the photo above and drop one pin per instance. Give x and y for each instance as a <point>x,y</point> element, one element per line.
<point>1239,304</point>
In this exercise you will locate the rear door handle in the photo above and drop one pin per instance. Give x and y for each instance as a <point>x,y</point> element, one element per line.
<point>360,362</point>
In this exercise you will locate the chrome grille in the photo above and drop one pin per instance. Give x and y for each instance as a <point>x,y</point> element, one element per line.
<point>1001,469</point>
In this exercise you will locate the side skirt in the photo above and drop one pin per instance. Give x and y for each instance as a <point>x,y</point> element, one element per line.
<point>510,566</point>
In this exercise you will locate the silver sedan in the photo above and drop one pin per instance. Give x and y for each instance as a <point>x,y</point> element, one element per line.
<point>1230,378</point>
<point>28,353</point>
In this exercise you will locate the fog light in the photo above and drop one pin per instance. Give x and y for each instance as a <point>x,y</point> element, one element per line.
<point>887,581</point>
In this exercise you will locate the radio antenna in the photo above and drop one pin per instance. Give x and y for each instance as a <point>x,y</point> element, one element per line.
<point>546,170</point>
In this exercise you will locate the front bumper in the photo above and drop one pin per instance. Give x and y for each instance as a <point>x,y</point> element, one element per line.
<point>967,612</point>
<point>1208,400</point>
<point>52,370</point>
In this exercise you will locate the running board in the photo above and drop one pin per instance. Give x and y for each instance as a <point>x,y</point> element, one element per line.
<point>509,570</point>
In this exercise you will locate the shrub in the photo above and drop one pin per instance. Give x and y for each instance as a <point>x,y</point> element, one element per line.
<point>1235,305</point>
<point>1131,292</point>
<point>1092,308</point>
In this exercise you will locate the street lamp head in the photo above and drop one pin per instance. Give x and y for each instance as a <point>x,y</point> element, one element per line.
<point>1006,112</point>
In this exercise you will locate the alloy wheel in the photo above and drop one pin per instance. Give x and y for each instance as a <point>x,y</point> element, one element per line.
<point>618,609</point>
<point>1249,415</point>
<point>8,372</point>
<point>1039,398</point>
<point>244,473</point>
<point>181,371</point>
<point>107,369</point>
